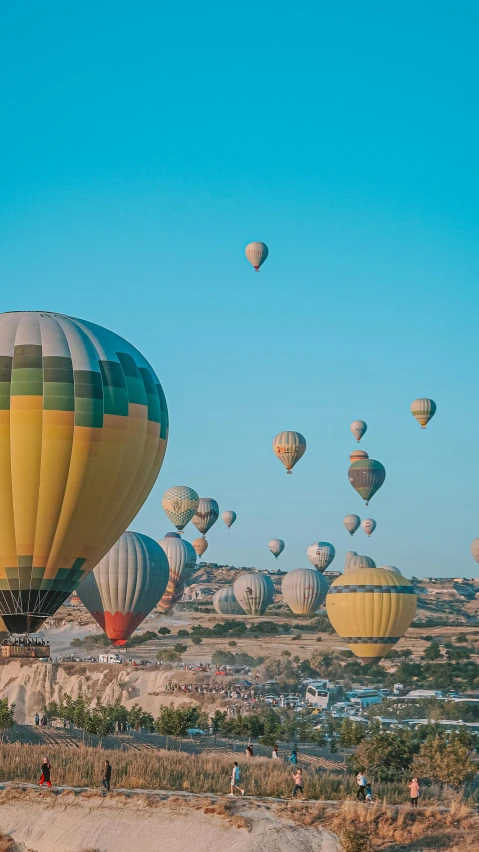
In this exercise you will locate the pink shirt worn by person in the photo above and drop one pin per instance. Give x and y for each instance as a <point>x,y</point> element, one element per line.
<point>414,789</point>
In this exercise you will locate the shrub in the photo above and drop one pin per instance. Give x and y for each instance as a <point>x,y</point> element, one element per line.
<point>197,640</point>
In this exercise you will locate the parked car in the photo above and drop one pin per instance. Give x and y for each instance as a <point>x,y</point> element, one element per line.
<point>196,732</point>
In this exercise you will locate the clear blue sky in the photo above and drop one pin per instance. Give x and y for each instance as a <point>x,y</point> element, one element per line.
<point>141,149</point>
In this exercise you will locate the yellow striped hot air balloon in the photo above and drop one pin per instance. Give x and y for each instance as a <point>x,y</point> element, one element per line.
<point>371,609</point>
<point>83,432</point>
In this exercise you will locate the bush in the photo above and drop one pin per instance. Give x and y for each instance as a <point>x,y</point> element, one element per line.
<point>164,631</point>
<point>179,648</point>
<point>197,640</point>
<point>296,636</point>
<point>232,643</point>
<point>183,634</point>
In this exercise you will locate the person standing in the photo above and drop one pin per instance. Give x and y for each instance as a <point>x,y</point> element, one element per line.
<point>37,719</point>
<point>414,792</point>
<point>275,754</point>
<point>45,776</point>
<point>293,757</point>
<point>362,784</point>
<point>106,780</point>
<point>235,779</point>
<point>298,782</point>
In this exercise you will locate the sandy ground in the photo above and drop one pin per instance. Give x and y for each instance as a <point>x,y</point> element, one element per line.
<point>69,823</point>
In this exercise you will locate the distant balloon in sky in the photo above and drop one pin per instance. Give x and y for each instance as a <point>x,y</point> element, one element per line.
<point>475,549</point>
<point>356,563</point>
<point>180,504</point>
<point>304,589</point>
<point>368,526</point>
<point>225,602</point>
<point>358,455</point>
<point>321,554</point>
<point>125,585</point>
<point>254,592</point>
<point>289,447</point>
<point>229,517</point>
<point>206,514</point>
<point>276,546</point>
<point>351,522</point>
<point>423,410</point>
<point>256,253</point>
<point>366,477</point>
<point>200,545</point>
<point>371,610</point>
<point>358,428</point>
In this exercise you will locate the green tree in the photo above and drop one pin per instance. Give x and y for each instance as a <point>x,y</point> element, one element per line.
<point>387,755</point>
<point>445,761</point>
<point>164,631</point>
<point>197,640</point>
<point>432,652</point>
<point>217,721</point>
<point>7,714</point>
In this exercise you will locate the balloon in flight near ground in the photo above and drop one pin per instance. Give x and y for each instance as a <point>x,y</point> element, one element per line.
<point>368,526</point>
<point>358,455</point>
<point>181,560</point>
<point>366,477</point>
<point>200,546</point>
<point>351,522</point>
<point>206,514</point>
<point>289,447</point>
<point>358,428</point>
<point>358,563</point>
<point>180,504</point>
<point>172,596</point>
<point>371,609</point>
<point>256,253</point>
<point>304,590</point>
<point>475,549</point>
<point>254,592</point>
<point>321,554</point>
<point>423,410</point>
<point>229,517</point>
<point>276,545</point>
<point>125,585</point>
<point>225,603</point>
<point>83,433</point>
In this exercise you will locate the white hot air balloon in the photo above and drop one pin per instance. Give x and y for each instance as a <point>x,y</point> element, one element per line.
<point>357,562</point>
<point>229,517</point>
<point>254,592</point>
<point>180,504</point>
<point>349,556</point>
<point>289,447</point>
<point>475,549</point>
<point>206,514</point>
<point>181,559</point>
<point>391,568</point>
<point>256,253</point>
<point>351,522</point>
<point>225,602</point>
<point>368,526</point>
<point>358,428</point>
<point>304,589</point>
<point>321,554</point>
<point>276,546</point>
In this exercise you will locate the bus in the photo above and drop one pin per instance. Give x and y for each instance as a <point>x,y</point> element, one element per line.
<point>318,694</point>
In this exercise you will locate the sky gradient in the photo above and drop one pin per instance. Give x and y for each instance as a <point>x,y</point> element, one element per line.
<point>142,149</point>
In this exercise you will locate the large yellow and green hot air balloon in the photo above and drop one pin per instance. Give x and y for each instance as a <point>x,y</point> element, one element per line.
<point>371,609</point>
<point>83,432</point>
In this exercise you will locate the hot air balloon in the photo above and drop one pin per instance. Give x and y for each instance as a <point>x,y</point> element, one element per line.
<point>225,602</point>
<point>206,514</point>
<point>358,428</point>
<point>358,563</point>
<point>229,517</point>
<point>321,554</point>
<point>423,410</point>
<point>276,546</point>
<point>348,556</point>
<point>180,504</point>
<point>83,433</point>
<point>475,549</point>
<point>125,585</point>
<point>200,546</point>
<point>358,455</point>
<point>181,559</point>
<point>304,589</point>
<point>172,535</point>
<point>289,447</point>
<point>254,592</point>
<point>351,522</point>
<point>371,610</point>
<point>391,568</point>
<point>171,597</point>
<point>256,253</point>
<point>368,526</point>
<point>366,477</point>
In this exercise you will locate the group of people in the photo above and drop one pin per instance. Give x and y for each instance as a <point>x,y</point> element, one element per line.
<point>25,641</point>
<point>236,777</point>
<point>364,792</point>
<point>45,774</point>
<point>41,721</point>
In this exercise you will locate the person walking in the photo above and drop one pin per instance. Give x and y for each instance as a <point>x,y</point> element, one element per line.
<point>275,754</point>
<point>45,776</point>
<point>369,793</point>
<point>235,779</point>
<point>293,757</point>
<point>106,780</point>
<point>37,719</point>
<point>362,784</point>
<point>298,783</point>
<point>414,792</point>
